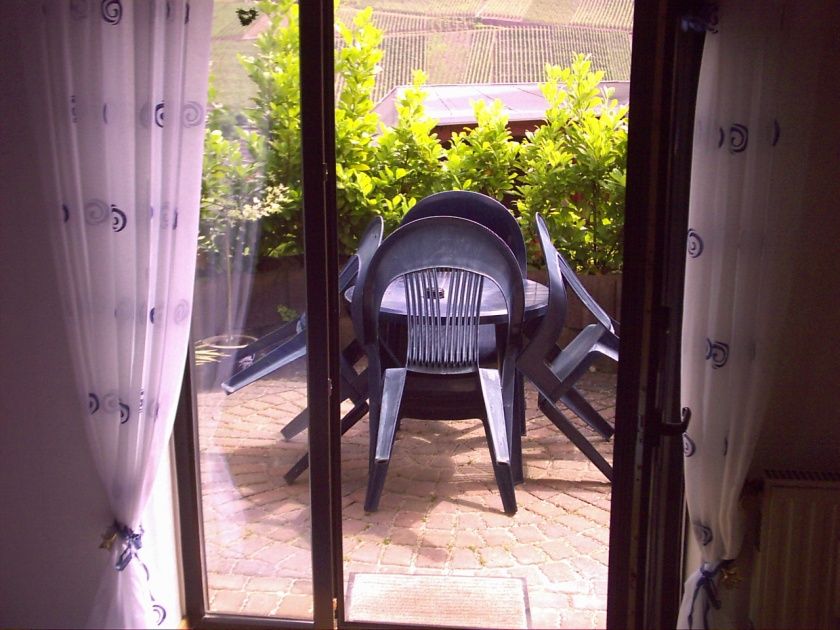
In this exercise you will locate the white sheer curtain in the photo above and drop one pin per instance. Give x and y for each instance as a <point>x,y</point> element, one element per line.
<point>123,86</point>
<point>751,136</point>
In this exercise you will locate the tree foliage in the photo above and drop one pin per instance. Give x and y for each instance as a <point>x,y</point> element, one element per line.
<point>574,167</point>
<point>571,169</point>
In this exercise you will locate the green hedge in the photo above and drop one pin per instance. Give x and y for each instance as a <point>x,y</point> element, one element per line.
<point>571,169</point>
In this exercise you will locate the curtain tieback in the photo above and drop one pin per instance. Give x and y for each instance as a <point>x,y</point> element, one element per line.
<point>706,584</point>
<point>130,540</point>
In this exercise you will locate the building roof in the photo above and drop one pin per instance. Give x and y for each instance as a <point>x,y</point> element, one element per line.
<point>451,105</point>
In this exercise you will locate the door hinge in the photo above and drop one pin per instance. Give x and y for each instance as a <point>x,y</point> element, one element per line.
<point>335,613</point>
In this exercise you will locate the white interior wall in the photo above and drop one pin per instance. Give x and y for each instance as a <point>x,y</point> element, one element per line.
<point>802,426</point>
<point>54,505</point>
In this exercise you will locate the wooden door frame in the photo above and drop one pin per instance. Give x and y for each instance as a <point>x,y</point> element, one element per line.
<point>322,311</point>
<point>647,516</point>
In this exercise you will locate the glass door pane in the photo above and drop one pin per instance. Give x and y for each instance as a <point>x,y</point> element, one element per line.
<point>249,323</point>
<point>440,550</point>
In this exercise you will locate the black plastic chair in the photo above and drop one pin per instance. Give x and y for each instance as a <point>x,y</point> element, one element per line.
<point>555,371</point>
<point>493,215</point>
<point>288,343</point>
<point>476,207</point>
<point>444,263</point>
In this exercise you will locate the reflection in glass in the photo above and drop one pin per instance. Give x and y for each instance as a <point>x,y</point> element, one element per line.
<point>250,282</point>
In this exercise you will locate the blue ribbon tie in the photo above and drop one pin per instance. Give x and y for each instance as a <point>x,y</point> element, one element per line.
<point>707,585</point>
<point>131,541</point>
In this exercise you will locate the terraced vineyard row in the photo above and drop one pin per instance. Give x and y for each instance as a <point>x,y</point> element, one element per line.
<point>551,11</point>
<point>504,9</point>
<point>521,53</point>
<point>428,7</point>
<point>408,23</point>
<point>403,55</point>
<point>447,39</point>
<point>480,63</point>
<point>605,14</point>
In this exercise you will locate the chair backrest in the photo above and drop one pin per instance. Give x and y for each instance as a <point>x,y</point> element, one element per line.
<point>574,283</point>
<point>551,325</point>
<point>443,310</point>
<point>371,238</point>
<point>476,207</point>
<point>444,262</point>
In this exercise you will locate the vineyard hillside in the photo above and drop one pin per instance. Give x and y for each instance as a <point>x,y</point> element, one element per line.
<point>459,41</point>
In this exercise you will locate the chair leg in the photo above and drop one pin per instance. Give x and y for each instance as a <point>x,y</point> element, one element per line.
<point>297,424</point>
<point>496,428</point>
<point>347,422</point>
<point>520,402</point>
<point>297,469</point>
<point>353,386</point>
<point>561,422</point>
<point>392,390</point>
<point>575,401</point>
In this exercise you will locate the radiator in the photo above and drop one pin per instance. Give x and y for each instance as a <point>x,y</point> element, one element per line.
<point>797,579</point>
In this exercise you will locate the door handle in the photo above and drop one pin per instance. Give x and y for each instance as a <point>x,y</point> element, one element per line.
<point>675,428</point>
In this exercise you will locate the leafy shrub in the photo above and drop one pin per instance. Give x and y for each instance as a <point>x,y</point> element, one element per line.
<point>356,125</point>
<point>234,190</point>
<point>235,197</point>
<point>272,132</point>
<point>574,168</point>
<point>571,169</point>
<point>484,158</point>
<point>408,156</point>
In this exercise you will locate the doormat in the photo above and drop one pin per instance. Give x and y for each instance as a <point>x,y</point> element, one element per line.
<point>446,600</point>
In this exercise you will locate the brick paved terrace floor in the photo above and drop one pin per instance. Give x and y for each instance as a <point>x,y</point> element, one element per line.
<point>440,512</point>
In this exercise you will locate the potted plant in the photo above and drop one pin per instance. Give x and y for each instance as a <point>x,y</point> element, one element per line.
<point>234,198</point>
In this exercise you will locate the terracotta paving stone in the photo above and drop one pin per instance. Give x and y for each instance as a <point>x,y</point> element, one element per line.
<point>589,602</point>
<point>437,520</point>
<point>602,555</point>
<point>367,551</point>
<point>269,584</point>
<point>440,512</point>
<point>584,544</point>
<point>465,559</point>
<point>404,536</point>
<point>600,587</point>
<point>470,521</point>
<point>302,587</point>
<point>398,555</point>
<point>437,538</point>
<point>295,606</point>
<point>467,539</point>
<point>227,601</point>
<point>589,567</point>
<point>559,549</point>
<point>431,557</point>
<point>496,557</point>
<point>226,581</point>
<point>527,534</point>
<point>251,566</point>
<point>497,537</point>
<point>262,603</point>
<point>577,619</point>
<point>529,554</point>
<point>558,572</point>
